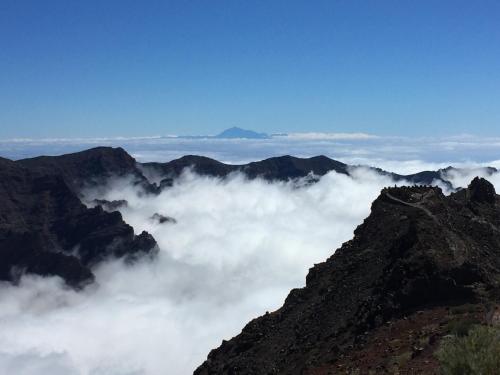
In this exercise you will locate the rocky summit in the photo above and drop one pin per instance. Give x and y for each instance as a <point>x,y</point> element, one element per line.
<point>420,264</point>
<point>87,168</point>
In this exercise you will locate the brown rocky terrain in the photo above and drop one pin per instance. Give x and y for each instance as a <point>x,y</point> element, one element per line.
<point>421,265</point>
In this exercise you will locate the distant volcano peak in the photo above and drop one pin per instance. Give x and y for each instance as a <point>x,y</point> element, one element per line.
<point>236,132</point>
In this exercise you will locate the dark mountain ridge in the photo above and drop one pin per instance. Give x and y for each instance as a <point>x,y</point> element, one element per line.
<point>42,217</point>
<point>418,253</point>
<point>283,168</point>
<point>280,168</point>
<point>45,229</point>
<point>87,168</point>
<point>94,166</point>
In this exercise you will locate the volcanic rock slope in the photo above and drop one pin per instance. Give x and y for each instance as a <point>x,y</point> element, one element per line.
<point>384,300</point>
<point>46,230</point>
<point>87,168</point>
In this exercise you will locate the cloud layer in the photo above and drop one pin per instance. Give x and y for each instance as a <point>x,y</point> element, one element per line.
<point>236,250</point>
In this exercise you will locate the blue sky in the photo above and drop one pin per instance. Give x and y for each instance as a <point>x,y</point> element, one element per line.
<point>129,68</point>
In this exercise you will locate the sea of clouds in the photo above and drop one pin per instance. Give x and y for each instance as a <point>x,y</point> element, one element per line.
<point>236,250</point>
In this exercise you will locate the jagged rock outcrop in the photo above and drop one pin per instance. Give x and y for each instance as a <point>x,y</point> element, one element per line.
<point>162,219</point>
<point>418,253</point>
<point>482,192</point>
<point>46,230</point>
<point>110,205</point>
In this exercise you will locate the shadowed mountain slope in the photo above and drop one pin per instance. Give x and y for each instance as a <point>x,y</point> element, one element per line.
<point>46,230</point>
<point>87,168</point>
<point>418,253</point>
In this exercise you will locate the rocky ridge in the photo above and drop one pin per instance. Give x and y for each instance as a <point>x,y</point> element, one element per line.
<point>283,168</point>
<point>46,230</point>
<point>88,168</point>
<point>94,167</point>
<point>389,291</point>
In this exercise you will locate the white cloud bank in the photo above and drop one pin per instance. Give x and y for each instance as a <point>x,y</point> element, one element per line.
<point>237,249</point>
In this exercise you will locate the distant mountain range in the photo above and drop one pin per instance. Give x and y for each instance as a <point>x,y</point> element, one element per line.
<point>94,166</point>
<point>288,167</point>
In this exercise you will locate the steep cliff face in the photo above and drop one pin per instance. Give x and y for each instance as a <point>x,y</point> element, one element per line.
<point>418,253</point>
<point>46,230</point>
